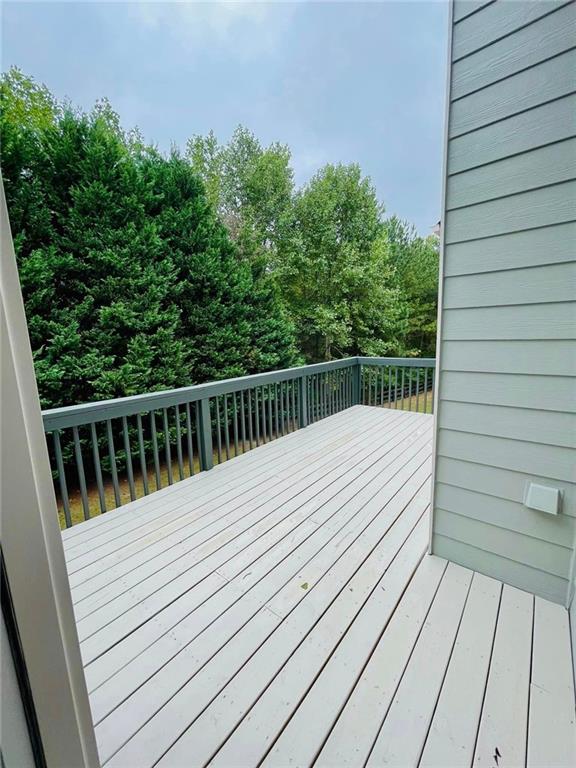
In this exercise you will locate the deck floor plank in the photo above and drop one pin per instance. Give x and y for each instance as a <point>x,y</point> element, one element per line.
<point>504,719</point>
<point>406,723</point>
<point>350,739</point>
<point>453,730</point>
<point>551,725</point>
<point>281,610</point>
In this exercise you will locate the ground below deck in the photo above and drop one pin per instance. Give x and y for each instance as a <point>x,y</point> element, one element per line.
<point>280,610</point>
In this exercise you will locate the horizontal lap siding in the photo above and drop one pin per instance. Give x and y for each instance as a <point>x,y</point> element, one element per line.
<point>533,247</point>
<point>509,389</point>
<point>507,378</point>
<point>529,130</point>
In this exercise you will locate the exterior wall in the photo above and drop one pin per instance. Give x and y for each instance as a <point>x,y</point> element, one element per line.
<point>507,356</point>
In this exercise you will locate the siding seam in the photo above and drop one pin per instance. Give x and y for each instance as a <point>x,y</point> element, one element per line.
<point>514,269</point>
<point>514,114</point>
<point>510,559</point>
<point>474,12</point>
<point>511,194</point>
<point>508,34</point>
<point>514,154</point>
<point>515,231</point>
<point>516,72</point>
<point>532,441</point>
<point>504,528</point>
<point>504,469</point>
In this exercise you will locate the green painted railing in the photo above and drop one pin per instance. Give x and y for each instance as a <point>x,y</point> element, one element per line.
<point>105,454</point>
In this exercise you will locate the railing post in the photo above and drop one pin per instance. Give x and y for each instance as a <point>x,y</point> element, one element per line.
<point>356,383</point>
<point>205,434</point>
<point>303,401</point>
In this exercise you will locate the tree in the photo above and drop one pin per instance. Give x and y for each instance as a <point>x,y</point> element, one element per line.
<point>251,186</point>
<point>130,281</point>
<point>335,271</point>
<point>415,261</point>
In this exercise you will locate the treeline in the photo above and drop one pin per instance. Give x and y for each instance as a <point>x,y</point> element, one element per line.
<point>143,271</point>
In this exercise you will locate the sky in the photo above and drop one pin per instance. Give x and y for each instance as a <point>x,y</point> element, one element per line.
<point>338,82</point>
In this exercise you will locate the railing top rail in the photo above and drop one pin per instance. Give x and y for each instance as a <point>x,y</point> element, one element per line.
<point>403,362</point>
<point>102,410</point>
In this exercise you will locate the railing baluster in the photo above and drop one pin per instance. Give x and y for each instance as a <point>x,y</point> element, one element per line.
<point>302,402</point>
<point>62,478</point>
<point>97,468</point>
<point>256,417</point>
<point>276,414</point>
<point>235,416</point>
<point>157,472</point>
<point>227,433</point>
<point>403,377</point>
<point>417,390</point>
<point>142,452</point>
<point>112,455</point>
<point>128,453</point>
<point>285,408</point>
<point>189,439</point>
<point>179,443</point>
<point>395,386</point>
<point>293,401</point>
<point>243,421</point>
<point>218,428</point>
<point>263,414</point>
<point>250,427</point>
<point>425,390</point>
<point>204,432</point>
<point>269,398</point>
<point>167,445</point>
<point>81,475</point>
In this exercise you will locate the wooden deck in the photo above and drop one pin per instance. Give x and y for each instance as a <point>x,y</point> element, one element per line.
<point>280,610</point>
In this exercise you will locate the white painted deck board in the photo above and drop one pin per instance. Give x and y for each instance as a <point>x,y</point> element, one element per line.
<point>280,610</point>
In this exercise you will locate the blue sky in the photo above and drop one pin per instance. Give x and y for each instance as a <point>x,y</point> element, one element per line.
<point>336,81</point>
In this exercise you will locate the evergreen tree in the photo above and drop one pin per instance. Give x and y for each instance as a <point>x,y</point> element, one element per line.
<point>130,281</point>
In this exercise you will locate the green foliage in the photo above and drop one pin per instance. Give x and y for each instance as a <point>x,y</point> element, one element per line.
<point>142,271</point>
<point>415,261</point>
<point>130,281</point>
<point>352,282</point>
<point>251,186</point>
<point>336,272</point>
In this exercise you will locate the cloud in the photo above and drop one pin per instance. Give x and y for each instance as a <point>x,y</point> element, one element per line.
<point>250,26</point>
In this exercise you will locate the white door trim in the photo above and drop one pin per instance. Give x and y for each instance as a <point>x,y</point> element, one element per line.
<point>32,542</point>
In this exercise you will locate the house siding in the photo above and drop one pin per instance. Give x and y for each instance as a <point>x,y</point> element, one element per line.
<point>506,410</point>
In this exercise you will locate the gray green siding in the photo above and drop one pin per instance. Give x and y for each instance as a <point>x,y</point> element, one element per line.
<point>507,358</point>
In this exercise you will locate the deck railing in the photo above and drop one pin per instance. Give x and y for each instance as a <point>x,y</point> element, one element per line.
<point>397,382</point>
<point>105,454</point>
